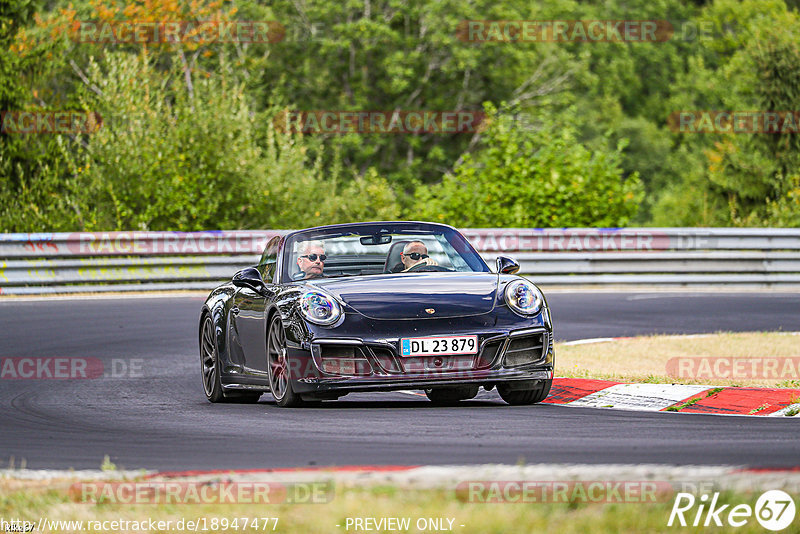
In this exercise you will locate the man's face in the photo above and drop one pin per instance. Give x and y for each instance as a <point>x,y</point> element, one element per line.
<point>312,268</point>
<point>417,249</point>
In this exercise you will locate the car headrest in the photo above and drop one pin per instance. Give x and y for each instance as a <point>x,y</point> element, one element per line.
<point>393,257</point>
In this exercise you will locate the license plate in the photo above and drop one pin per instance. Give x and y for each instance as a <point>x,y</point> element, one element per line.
<point>442,345</point>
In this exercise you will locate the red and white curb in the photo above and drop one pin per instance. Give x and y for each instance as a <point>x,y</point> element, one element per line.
<point>771,402</point>
<point>684,398</point>
<point>672,397</point>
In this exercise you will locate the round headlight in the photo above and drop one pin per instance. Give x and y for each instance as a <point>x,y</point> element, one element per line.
<point>320,308</point>
<point>524,298</point>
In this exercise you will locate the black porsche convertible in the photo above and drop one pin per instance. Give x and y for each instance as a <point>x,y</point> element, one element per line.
<point>375,306</point>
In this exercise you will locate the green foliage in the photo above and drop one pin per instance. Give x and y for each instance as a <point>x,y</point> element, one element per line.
<point>305,192</point>
<point>173,154</point>
<point>37,192</point>
<point>785,210</point>
<point>188,140</point>
<point>538,177</point>
<point>186,154</point>
<point>740,179</point>
<point>389,54</point>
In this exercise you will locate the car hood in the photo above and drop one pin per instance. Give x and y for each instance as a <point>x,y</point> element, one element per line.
<point>414,295</point>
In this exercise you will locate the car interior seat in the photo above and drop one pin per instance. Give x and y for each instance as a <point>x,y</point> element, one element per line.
<point>393,263</point>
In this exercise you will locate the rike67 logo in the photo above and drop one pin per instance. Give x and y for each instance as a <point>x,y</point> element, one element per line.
<point>774,510</point>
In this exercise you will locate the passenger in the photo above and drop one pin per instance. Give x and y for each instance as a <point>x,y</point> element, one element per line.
<point>415,254</point>
<point>311,259</point>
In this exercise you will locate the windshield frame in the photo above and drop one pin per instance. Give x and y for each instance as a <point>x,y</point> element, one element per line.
<point>457,240</point>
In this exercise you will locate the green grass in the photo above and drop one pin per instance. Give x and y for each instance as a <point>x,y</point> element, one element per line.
<point>30,500</point>
<point>669,359</point>
<point>694,401</point>
<point>108,465</point>
<point>759,409</point>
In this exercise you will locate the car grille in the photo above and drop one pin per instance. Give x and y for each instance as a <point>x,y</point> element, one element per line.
<point>365,360</point>
<point>525,349</point>
<point>423,364</point>
<point>385,358</point>
<point>344,360</point>
<point>488,355</point>
<point>391,362</point>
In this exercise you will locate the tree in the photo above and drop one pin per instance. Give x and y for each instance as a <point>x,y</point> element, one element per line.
<point>168,158</point>
<point>741,178</point>
<point>37,189</point>
<point>534,177</point>
<point>405,55</point>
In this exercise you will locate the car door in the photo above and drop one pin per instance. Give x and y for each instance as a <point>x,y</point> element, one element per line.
<point>249,311</point>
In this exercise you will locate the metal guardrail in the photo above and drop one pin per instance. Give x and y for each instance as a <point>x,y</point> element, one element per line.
<point>130,261</point>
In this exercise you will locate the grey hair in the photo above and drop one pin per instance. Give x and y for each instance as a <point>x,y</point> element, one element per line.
<point>303,246</point>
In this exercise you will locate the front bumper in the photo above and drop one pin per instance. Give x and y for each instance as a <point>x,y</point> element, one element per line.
<point>387,370</point>
<point>524,380</point>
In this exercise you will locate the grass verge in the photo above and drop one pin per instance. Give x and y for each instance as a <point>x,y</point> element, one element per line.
<point>32,500</point>
<point>759,359</point>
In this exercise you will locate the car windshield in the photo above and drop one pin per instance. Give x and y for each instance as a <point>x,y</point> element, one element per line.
<point>373,249</point>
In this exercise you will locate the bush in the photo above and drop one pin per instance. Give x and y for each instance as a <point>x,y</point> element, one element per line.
<point>540,177</point>
<point>178,154</point>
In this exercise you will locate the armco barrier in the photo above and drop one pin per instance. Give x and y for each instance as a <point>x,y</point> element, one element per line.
<point>129,261</point>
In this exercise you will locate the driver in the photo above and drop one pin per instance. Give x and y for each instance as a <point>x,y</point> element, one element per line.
<point>415,254</point>
<point>312,258</point>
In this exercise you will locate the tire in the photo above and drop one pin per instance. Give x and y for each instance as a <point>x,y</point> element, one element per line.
<point>279,379</point>
<point>209,362</point>
<point>523,397</point>
<point>451,396</point>
<point>209,367</point>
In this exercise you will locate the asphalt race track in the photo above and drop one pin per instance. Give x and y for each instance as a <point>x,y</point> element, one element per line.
<point>159,418</point>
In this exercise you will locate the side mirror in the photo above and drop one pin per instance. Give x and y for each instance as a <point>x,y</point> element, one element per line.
<point>506,265</point>
<point>249,278</point>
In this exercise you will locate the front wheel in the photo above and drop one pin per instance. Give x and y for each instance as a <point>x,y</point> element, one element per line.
<point>277,358</point>
<point>521,397</point>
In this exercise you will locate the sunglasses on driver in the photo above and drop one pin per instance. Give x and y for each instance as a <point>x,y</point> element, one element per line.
<point>313,257</point>
<point>415,255</point>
